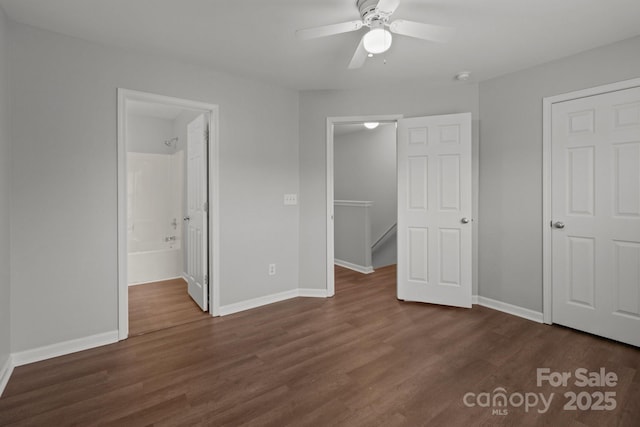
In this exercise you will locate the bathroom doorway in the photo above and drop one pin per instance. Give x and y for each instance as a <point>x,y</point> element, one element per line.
<point>167,215</point>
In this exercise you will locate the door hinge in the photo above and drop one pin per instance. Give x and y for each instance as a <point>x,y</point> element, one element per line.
<point>206,279</point>
<point>206,206</point>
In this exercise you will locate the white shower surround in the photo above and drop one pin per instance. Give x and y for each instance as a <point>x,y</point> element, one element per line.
<point>155,192</point>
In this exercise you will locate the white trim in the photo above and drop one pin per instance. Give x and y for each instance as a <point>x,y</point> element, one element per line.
<point>331,285</point>
<point>547,255</point>
<point>155,281</point>
<point>211,110</point>
<point>5,373</point>
<point>331,121</point>
<point>312,293</point>
<point>355,267</point>
<point>257,302</point>
<point>515,310</point>
<point>214,211</point>
<point>225,310</point>
<point>63,348</point>
<point>546,211</point>
<point>353,203</point>
<point>123,297</point>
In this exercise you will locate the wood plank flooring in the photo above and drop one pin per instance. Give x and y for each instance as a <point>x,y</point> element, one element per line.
<point>361,358</point>
<point>161,305</point>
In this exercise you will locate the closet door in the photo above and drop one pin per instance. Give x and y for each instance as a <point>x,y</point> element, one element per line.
<point>595,206</point>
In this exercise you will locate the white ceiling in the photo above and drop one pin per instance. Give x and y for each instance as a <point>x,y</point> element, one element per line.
<point>255,38</point>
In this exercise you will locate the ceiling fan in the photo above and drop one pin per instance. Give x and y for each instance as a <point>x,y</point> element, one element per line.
<point>376,16</point>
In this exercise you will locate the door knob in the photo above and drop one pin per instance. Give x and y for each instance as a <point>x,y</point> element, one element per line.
<point>465,220</point>
<point>186,218</point>
<point>558,224</point>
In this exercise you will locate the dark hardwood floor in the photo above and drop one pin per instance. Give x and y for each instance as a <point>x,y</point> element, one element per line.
<point>161,305</point>
<point>361,358</point>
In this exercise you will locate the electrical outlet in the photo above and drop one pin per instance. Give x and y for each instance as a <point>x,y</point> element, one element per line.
<point>272,269</point>
<point>290,199</point>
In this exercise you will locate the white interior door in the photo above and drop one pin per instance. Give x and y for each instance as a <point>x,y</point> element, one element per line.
<point>196,219</point>
<point>595,176</point>
<point>434,209</point>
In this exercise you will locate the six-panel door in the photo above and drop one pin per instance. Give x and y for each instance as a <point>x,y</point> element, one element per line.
<point>196,220</point>
<point>434,209</point>
<point>596,214</point>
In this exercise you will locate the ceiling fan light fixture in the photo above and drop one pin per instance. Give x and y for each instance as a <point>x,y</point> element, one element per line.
<point>371,125</point>
<point>377,40</point>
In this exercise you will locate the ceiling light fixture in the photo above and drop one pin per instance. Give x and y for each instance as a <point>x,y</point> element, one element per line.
<point>377,40</point>
<point>371,125</point>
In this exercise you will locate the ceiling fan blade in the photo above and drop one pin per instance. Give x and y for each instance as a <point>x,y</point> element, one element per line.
<point>434,33</point>
<point>388,6</point>
<point>359,56</point>
<point>328,30</point>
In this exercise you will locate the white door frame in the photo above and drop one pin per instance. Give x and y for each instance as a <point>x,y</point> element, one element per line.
<point>125,95</point>
<point>331,121</point>
<point>547,255</point>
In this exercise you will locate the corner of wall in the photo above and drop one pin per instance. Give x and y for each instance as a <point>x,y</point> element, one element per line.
<point>6,365</point>
<point>6,369</point>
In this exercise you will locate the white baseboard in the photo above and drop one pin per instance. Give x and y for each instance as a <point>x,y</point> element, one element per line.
<point>66,347</point>
<point>355,267</point>
<point>312,293</point>
<point>5,374</point>
<point>155,281</point>
<point>257,302</point>
<point>270,299</point>
<point>515,310</point>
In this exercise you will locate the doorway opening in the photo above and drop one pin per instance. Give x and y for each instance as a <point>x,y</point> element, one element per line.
<point>167,212</point>
<point>365,205</point>
<point>435,208</point>
<point>354,235</point>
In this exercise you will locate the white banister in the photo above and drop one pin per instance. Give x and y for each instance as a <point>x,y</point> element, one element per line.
<point>384,236</point>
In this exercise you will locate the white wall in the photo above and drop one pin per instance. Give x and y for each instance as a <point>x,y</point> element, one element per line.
<point>5,176</point>
<point>315,107</point>
<point>511,164</point>
<point>352,225</point>
<point>63,199</point>
<point>365,169</point>
<point>148,134</point>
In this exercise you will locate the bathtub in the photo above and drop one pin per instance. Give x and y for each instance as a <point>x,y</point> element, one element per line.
<point>154,216</point>
<point>152,263</point>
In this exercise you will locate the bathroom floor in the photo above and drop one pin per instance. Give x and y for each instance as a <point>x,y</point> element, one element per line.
<point>161,305</point>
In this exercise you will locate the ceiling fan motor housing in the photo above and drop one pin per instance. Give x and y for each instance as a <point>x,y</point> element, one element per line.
<point>370,16</point>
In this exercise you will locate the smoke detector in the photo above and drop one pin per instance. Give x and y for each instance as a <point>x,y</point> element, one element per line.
<point>463,76</point>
